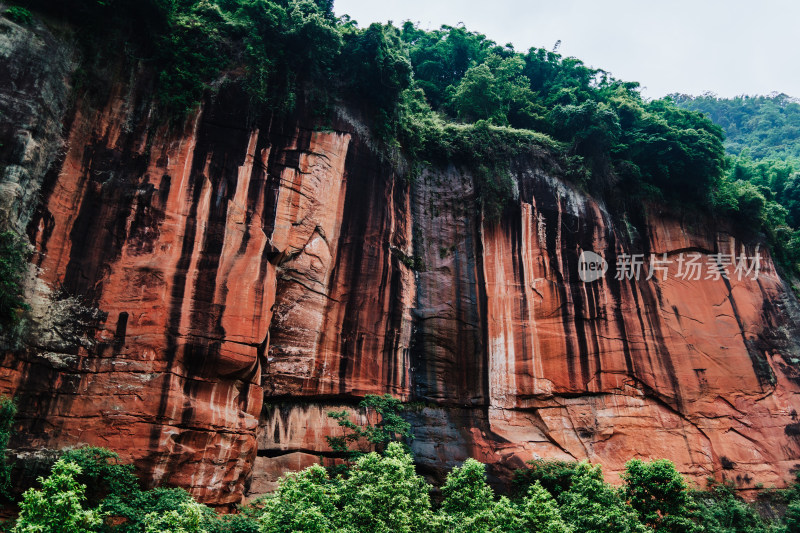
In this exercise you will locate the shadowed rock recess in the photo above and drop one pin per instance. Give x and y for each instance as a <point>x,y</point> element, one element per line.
<point>203,294</point>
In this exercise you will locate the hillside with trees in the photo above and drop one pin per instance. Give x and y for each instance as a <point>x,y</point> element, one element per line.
<point>448,93</point>
<point>762,138</point>
<point>452,95</point>
<point>762,127</point>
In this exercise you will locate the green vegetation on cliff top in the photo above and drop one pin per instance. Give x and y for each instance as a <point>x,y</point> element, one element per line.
<point>444,96</point>
<point>763,182</point>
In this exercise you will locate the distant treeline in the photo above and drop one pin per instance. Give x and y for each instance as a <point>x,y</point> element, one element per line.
<point>761,127</point>
<point>762,137</point>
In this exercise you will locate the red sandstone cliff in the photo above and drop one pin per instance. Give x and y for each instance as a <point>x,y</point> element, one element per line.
<point>202,295</point>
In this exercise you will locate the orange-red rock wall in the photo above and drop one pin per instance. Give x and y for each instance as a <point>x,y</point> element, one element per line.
<point>182,272</point>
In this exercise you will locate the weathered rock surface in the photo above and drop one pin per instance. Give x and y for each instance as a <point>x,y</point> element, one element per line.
<point>205,294</point>
<point>35,70</point>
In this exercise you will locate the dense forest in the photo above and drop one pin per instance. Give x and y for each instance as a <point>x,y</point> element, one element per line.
<point>761,127</point>
<point>90,490</point>
<point>762,138</point>
<point>433,96</point>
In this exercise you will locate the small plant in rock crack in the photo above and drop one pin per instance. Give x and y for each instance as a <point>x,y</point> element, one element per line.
<point>357,439</point>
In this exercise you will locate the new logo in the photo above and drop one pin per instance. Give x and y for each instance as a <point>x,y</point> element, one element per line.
<point>591,266</point>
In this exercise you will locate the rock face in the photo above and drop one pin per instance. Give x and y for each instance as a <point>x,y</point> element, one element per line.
<point>202,296</point>
<point>702,372</point>
<point>35,71</point>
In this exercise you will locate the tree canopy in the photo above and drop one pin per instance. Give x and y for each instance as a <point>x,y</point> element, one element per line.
<point>383,493</point>
<point>416,86</point>
<point>765,127</point>
<point>762,185</point>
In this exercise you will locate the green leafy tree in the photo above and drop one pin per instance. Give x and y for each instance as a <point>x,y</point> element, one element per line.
<point>375,66</point>
<point>540,512</point>
<point>465,492</point>
<point>113,487</point>
<point>502,516</point>
<point>57,507</point>
<point>289,47</point>
<point>679,152</point>
<point>305,501</point>
<point>390,427</point>
<point>187,518</point>
<point>592,506</point>
<point>131,509</point>
<point>790,198</point>
<point>659,495</point>
<point>245,521</point>
<point>193,53</point>
<point>469,504</point>
<point>751,201</point>
<point>441,58</point>
<point>477,97</point>
<point>554,476</point>
<point>103,474</point>
<point>722,512</point>
<point>593,128</point>
<point>792,517</point>
<point>384,494</point>
<point>492,90</point>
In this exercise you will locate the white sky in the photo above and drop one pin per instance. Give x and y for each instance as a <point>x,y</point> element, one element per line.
<point>729,47</point>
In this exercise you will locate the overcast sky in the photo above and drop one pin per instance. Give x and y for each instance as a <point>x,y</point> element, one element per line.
<point>729,47</point>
